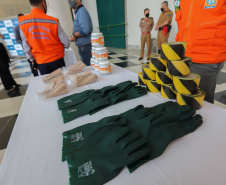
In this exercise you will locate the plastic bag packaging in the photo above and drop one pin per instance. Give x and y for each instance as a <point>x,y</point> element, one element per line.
<point>52,76</point>
<point>54,89</point>
<point>86,78</point>
<point>76,68</point>
<point>59,88</point>
<point>60,78</point>
<point>70,80</point>
<point>48,89</point>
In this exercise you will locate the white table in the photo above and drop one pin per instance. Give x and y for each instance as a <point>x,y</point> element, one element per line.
<point>33,156</point>
<point>69,57</point>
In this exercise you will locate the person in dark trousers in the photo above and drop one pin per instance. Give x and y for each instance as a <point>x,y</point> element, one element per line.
<point>16,31</point>
<point>82,29</point>
<point>7,79</point>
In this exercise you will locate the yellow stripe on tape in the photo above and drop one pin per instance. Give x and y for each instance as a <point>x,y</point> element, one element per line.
<point>141,79</point>
<point>158,80</point>
<point>188,84</point>
<point>180,100</point>
<point>173,50</point>
<point>163,61</point>
<point>197,81</point>
<point>200,99</point>
<point>170,53</point>
<point>179,87</point>
<point>152,67</point>
<point>167,70</point>
<point>148,74</point>
<point>163,94</point>
<point>180,67</point>
<point>194,101</point>
<point>152,86</point>
<point>184,44</point>
<point>158,64</point>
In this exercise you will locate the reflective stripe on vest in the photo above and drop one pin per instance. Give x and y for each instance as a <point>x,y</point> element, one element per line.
<point>38,21</point>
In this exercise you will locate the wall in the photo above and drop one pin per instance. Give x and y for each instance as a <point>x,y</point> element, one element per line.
<point>91,6</point>
<point>10,8</point>
<point>134,11</point>
<point>61,10</point>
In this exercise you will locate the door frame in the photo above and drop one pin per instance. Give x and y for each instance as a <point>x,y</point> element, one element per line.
<point>126,21</point>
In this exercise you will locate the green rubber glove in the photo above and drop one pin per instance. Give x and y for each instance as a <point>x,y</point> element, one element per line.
<point>75,139</point>
<point>175,111</point>
<point>131,93</point>
<point>171,109</point>
<point>92,104</point>
<point>124,86</point>
<point>160,132</point>
<point>100,163</point>
<point>108,89</point>
<point>78,98</point>
<point>75,99</point>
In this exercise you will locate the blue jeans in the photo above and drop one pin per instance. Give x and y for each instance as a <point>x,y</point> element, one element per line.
<point>85,54</point>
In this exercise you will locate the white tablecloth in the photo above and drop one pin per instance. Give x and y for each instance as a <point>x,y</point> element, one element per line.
<point>33,156</point>
<point>69,57</point>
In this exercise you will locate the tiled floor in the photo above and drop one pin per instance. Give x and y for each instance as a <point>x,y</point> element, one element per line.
<point>10,106</point>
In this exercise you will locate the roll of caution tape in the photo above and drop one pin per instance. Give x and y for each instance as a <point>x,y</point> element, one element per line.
<point>194,101</point>
<point>167,92</point>
<point>179,67</point>
<point>153,86</point>
<point>147,73</point>
<point>188,84</point>
<point>173,50</point>
<point>158,64</point>
<point>141,80</point>
<point>163,78</point>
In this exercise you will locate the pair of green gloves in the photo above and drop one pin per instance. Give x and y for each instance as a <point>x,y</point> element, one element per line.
<point>97,152</point>
<point>92,101</point>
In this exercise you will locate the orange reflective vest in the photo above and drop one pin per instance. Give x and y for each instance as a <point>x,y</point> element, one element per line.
<point>202,24</point>
<point>41,32</point>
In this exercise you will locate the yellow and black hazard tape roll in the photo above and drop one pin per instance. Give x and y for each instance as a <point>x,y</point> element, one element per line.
<point>194,101</point>
<point>167,92</point>
<point>188,84</point>
<point>157,64</point>
<point>173,50</point>
<point>179,67</point>
<point>153,86</point>
<point>147,73</point>
<point>141,80</point>
<point>164,78</point>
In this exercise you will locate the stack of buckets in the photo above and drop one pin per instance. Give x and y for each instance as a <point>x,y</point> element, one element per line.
<point>99,60</point>
<point>169,74</point>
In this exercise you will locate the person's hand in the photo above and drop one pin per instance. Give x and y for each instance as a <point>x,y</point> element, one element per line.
<point>156,28</point>
<point>72,39</point>
<point>34,65</point>
<point>2,36</point>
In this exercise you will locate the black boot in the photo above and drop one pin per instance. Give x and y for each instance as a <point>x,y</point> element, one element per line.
<point>159,51</point>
